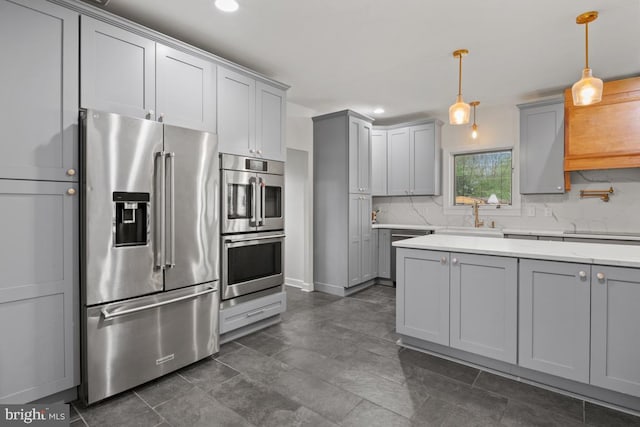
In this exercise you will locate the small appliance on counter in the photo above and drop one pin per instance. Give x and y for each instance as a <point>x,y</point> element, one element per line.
<point>252,240</point>
<point>150,259</point>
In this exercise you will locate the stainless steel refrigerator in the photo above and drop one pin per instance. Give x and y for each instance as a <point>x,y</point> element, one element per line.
<point>150,250</point>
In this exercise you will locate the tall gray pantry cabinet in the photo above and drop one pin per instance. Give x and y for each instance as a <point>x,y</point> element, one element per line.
<point>39,199</point>
<point>344,242</point>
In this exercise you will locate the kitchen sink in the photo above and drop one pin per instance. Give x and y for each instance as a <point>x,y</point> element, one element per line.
<point>470,231</point>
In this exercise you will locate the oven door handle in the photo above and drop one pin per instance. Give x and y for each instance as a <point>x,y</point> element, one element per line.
<point>253,222</point>
<point>248,239</point>
<point>263,213</point>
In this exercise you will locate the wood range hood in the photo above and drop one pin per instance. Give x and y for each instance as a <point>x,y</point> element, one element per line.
<point>605,135</point>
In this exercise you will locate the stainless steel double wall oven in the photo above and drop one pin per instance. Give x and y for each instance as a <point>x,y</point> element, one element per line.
<point>252,225</point>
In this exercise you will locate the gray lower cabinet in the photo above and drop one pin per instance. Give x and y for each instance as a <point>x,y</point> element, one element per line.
<point>384,253</point>
<point>379,162</point>
<point>615,330</point>
<point>117,70</point>
<point>361,266</point>
<point>39,87</point>
<point>422,294</point>
<point>484,305</point>
<point>554,310</point>
<point>542,147</point>
<point>185,90</point>
<point>38,289</point>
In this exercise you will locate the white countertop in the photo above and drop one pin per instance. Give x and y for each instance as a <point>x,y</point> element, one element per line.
<point>589,253</point>
<point>407,227</point>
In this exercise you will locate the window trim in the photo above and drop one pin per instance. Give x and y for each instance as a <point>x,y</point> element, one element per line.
<point>450,208</point>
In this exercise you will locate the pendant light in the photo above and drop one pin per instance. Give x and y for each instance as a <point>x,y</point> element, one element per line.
<point>474,128</point>
<point>459,112</point>
<point>588,90</point>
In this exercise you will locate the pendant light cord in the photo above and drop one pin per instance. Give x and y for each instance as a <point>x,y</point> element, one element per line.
<point>460,77</point>
<point>586,45</point>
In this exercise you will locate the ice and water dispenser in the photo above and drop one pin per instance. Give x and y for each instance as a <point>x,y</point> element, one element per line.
<point>131,218</point>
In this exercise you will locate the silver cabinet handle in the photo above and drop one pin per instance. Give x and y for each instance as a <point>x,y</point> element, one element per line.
<point>160,210</point>
<point>454,261</point>
<point>251,150</point>
<point>255,313</point>
<point>107,315</point>
<point>443,260</point>
<point>171,261</point>
<point>71,191</point>
<point>161,117</point>
<point>559,187</point>
<point>71,172</point>
<point>600,276</point>
<point>259,151</point>
<point>150,114</point>
<point>582,274</point>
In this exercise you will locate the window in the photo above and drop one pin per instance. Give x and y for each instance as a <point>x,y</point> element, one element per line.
<point>484,177</point>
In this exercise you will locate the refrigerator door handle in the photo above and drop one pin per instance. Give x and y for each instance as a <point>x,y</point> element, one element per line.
<point>160,225</point>
<point>170,260</point>
<point>108,315</point>
<point>262,202</point>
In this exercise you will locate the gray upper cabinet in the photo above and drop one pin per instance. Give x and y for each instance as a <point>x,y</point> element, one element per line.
<point>379,162</point>
<point>39,86</point>
<point>422,300</point>
<point>117,70</point>
<point>484,305</point>
<point>251,116</point>
<point>186,90</point>
<point>359,156</point>
<point>542,147</point>
<point>398,160</point>
<point>236,113</point>
<point>271,104</point>
<point>615,335</point>
<point>38,289</point>
<point>414,159</point>
<point>554,310</point>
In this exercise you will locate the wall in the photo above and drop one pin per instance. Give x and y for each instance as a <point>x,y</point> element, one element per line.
<point>499,127</point>
<point>299,197</point>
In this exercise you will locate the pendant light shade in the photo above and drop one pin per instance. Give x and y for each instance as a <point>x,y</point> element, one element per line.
<point>474,128</point>
<point>459,112</point>
<point>587,90</point>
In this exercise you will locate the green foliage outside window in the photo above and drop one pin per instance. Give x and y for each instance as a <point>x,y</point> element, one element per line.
<point>479,175</point>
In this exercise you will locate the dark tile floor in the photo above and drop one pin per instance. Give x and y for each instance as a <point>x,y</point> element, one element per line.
<point>334,362</point>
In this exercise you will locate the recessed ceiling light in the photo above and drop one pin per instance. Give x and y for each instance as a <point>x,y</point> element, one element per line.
<point>227,5</point>
<point>378,111</point>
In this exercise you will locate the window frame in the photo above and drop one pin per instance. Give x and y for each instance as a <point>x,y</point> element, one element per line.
<point>451,208</point>
<point>455,177</point>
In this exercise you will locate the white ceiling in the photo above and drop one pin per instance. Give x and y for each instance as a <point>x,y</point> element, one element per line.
<point>361,54</point>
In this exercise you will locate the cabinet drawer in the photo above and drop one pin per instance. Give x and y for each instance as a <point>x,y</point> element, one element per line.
<point>249,312</point>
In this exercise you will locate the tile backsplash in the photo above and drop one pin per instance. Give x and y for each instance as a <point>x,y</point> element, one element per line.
<point>568,211</point>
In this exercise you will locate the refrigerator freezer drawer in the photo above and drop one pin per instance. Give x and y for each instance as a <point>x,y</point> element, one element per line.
<point>132,342</point>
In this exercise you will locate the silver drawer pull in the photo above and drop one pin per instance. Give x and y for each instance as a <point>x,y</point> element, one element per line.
<point>255,313</point>
<point>107,315</point>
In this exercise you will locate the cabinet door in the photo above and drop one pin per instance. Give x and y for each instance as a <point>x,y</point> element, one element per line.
<point>186,90</point>
<point>384,253</point>
<point>379,162</point>
<point>423,160</point>
<point>615,335</point>
<point>39,87</point>
<point>38,289</point>
<point>375,237</point>
<point>554,318</point>
<point>398,160</point>
<point>364,157</point>
<point>236,113</point>
<point>270,122</point>
<point>542,149</point>
<point>117,70</point>
<point>355,129</point>
<point>355,242</point>
<point>484,305</point>
<point>422,302</point>
<point>366,236</point>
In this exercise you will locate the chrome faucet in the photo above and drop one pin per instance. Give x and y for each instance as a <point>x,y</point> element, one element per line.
<point>477,223</point>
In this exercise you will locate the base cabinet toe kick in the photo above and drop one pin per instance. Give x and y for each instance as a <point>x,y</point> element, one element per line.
<point>572,326</point>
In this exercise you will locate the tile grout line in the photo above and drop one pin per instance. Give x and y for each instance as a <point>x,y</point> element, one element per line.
<point>80,415</point>
<point>153,409</point>
<point>473,384</point>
